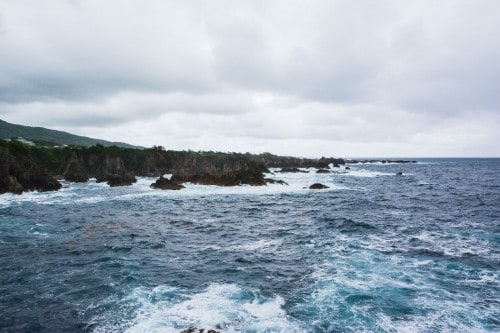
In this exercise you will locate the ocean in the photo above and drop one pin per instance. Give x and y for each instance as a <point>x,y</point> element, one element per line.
<point>375,252</point>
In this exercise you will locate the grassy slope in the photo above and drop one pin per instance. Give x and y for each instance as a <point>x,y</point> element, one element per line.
<point>8,130</point>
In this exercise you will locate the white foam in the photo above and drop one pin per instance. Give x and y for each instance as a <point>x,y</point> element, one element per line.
<point>259,245</point>
<point>224,307</point>
<point>93,192</point>
<point>363,173</point>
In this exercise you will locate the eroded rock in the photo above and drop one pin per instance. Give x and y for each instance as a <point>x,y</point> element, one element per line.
<point>166,184</point>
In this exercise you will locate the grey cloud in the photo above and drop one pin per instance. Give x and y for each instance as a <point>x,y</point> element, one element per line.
<point>55,51</point>
<point>412,58</point>
<point>330,71</point>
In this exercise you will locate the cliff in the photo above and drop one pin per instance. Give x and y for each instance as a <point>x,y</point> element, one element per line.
<point>30,167</point>
<point>113,165</point>
<point>218,169</point>
<point>18,174</point>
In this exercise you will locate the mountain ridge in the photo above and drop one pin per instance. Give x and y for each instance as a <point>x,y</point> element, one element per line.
<point>9,130</point>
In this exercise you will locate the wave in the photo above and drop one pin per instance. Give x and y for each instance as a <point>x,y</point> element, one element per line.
<point>224,307</point>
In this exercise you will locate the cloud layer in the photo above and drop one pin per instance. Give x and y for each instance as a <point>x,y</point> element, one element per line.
<point>343,78</point>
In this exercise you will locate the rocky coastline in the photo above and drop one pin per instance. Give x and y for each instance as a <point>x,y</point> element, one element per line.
<point>24,168</point>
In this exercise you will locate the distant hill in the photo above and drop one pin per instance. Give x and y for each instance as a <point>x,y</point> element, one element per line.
<point>40,134</point>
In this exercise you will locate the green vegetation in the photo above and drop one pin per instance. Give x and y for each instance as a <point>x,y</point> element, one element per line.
<point>48,137</point>
<point>53,158</point>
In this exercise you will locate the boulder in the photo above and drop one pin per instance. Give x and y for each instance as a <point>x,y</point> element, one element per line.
<point>166,184</point>
<point>399,173</point>
<point>323,171</point>
<point>318,186</point>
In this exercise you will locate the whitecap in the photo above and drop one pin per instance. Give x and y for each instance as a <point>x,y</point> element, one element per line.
<point>259,245</point>
<point>224,307</point>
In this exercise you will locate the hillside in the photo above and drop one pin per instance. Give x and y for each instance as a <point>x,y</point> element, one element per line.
<point>40,134</point>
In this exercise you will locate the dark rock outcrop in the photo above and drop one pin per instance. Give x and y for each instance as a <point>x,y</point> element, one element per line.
<point>19,174</point>
<point>222,170</point>
<point>292,170</point>
<point>166,184</point>
<point>400,173</point>
<point>115,180</point>
<point>198,330</point>
<point>379,161</point>
<point>275,181</point>
<point>74,170</point>
<point>273,161</point>
<point>109,169</point>
<point>113,171</point>
<point>323,171</point>
<point>318,186</point>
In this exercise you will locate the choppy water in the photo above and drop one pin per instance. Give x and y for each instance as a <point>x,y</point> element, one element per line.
<point>374,253</point>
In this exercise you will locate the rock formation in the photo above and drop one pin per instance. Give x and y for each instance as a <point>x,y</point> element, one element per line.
<point>112,170</point>
<point>74,170</point>
<point>275,181</point>
<point>292,170</point>
<point>273,161</point>
<point>379,161</point>
<point>222,170</point>
<point>198,330</point>
<point>317,186</point>
<point>165,184</point>
<point>19,174</point>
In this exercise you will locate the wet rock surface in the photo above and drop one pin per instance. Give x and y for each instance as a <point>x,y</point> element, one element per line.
<point>222,170</point>
<point>318,186</point>
<point>166,184</point>
<point>18,174</point>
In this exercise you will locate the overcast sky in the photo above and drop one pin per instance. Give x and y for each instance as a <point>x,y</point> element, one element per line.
<point>305,78</point>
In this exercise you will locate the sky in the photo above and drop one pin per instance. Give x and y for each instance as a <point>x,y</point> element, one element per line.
<point>303,78</point>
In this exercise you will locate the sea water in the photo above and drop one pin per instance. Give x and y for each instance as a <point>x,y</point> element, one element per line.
<point>375,252</point>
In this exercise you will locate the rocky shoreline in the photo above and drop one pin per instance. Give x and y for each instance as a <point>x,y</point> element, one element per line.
<point>18,175</point>
<point>25,168</point>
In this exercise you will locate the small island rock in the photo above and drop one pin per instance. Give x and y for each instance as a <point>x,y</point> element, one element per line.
<point>166,184</point>
<point>318,186</point>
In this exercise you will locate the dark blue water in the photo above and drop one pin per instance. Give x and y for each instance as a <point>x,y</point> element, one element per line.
<point>374,253</point>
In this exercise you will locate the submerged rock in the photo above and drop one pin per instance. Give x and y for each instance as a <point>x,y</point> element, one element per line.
<point>166,184</point>
<point>198,330</point>
<point>400,173</point>
<point>318,186</point>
